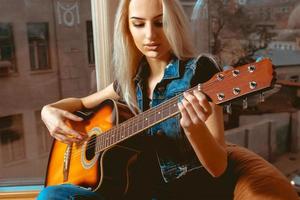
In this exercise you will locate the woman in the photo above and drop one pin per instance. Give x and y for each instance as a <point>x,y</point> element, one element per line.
<point>154,61</point>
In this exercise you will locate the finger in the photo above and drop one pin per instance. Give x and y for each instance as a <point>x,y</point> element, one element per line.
<point>71,116</point>
<point>203,101</point>
<point>199,111</point>
<point>190,111</point>
<point>185,118</point>
<point>64,129</point>
<point>63,138</point>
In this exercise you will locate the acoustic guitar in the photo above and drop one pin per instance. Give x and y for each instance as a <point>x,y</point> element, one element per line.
<point>101,163</point>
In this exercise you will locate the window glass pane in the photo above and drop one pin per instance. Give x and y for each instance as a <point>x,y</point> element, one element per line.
<point>38,45</point>
<point>48,40</point>
<point>12,139</point>
<point>240,31</point>
<point>7,50</point>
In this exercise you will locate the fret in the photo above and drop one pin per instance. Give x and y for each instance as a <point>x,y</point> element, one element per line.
<point>143,121</point>
<point>158,114</point>
<point>134,125</point>
<point>106,139</point>
<point>146,120</point>
<point>130,128</point>
<point>112,138</point>
<point>123,133</point>
<point>126,131</point>
<point>164,110</point>
<point>118,132</point>
<point>151,119</point>
<point>101,141</point>
<point>139,124</point>
<point>96,144</point>
<point>173,107</point>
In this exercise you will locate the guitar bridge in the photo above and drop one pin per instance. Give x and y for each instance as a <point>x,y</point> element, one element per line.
<point>67,159</point>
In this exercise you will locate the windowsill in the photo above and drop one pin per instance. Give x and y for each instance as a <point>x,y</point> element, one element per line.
<point>20,192</point>
<point>9,75</point>
<point>42,71</point>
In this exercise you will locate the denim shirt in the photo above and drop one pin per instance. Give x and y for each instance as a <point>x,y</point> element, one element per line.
<point>175,154</point>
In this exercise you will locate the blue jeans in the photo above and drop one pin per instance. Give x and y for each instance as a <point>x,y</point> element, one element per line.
<point>68,192</point>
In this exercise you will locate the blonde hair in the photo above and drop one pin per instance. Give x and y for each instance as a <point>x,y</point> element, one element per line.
<point>126,56</point>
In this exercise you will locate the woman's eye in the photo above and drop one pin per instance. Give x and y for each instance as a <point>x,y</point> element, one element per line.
<point>138,24</point>
<point>158,23</point>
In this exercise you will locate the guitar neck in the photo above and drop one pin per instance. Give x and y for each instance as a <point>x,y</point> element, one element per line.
<point>223,87</point>
<point>138,124</point>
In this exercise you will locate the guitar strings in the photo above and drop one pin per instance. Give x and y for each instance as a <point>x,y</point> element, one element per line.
<point>132,120</point>
<point>128,122</point>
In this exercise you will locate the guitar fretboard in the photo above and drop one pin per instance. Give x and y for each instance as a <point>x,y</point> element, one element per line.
<point>138,123</point>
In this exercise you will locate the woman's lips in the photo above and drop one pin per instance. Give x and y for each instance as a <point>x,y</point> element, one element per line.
<point>151,47</point>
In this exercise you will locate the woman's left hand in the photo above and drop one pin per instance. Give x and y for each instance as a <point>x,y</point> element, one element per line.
<point>195,109</point>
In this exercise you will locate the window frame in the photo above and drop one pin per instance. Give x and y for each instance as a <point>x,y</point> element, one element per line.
<point>36,57</point>
<point>13,60</point>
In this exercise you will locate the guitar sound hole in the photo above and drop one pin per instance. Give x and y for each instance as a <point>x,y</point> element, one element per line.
<point>90,148</point>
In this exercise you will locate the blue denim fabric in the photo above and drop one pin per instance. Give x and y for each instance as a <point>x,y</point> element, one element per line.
<point>68,191</point>
<point>175,154</point>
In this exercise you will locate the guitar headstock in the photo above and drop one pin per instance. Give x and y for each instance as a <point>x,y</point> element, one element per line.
<point>239,82</point>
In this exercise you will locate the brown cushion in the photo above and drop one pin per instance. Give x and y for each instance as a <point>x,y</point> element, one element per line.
<point>256,178</point>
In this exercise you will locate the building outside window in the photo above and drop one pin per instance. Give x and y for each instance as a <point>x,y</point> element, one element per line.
<point>12,139</point>
<point>38,40</point>
<point>49,41</point>
<point>43,137</point>
<point>7,50</point>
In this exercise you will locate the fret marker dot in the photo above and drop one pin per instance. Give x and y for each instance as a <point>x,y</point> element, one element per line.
<point>146,119</point>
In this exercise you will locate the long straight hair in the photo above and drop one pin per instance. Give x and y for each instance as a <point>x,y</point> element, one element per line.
<point>126,56</point>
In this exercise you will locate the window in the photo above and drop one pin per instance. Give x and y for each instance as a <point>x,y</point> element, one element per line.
<point>12,139</point>
<point>43,137</point>
<point>7,50</point>
<point>38,45</point>
<point>40,40</point>
<point>90,42</point>
<point>285,9</point>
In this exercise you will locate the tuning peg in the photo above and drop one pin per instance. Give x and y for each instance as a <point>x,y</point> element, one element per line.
<point>245,103</point>
<point>261,97</point>
<point>229,108</point>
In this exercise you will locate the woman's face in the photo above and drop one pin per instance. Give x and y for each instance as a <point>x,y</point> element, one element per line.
<point>146,27</point>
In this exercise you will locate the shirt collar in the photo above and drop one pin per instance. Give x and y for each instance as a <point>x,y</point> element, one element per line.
<point>171,70</point>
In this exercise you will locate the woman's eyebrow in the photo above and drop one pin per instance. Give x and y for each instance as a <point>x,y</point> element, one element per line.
<point>140,18</point>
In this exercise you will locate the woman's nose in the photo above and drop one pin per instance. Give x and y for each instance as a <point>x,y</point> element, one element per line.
<point>150,32</point>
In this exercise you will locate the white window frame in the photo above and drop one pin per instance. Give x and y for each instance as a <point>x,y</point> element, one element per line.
<point>103,12</point>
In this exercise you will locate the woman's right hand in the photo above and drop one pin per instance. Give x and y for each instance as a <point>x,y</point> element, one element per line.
<point>54,119</point>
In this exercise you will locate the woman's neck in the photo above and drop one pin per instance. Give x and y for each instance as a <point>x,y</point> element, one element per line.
<point>157,66</point>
